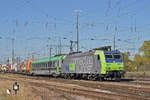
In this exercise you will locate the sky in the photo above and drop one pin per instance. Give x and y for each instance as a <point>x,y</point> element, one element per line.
<point>37,24</point>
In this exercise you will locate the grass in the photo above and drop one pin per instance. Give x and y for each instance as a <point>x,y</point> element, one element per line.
<point>7,97</point>
<point>11,97</point>
<point>141,72</point>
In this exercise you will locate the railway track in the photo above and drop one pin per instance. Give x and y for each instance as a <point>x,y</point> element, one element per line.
<point>71,89</point>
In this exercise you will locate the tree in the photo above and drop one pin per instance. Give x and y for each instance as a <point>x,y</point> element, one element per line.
<point>144,63</point>
<point>129,66</point>
<point>145,48</point>
<point>139,62</point>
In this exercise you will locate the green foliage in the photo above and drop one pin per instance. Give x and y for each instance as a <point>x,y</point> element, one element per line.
<point>129,64</point>
<point>145,48</point>
<point>125,56</point>
<point>144,59</point>
<point>138,59</point>
<point>141,62</point>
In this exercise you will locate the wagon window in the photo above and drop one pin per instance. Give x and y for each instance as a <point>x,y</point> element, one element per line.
<point>52,64</point>
<point>33,65</point>
<point>46,64</point>
<point>43,65</point>
<point>56,63</point>
<point>39,65</point>
<point>49,64</point>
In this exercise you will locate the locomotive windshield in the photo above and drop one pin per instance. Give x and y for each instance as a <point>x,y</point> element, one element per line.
<point>108,56</point>
<point>112,56</point>
<point>117,56</point>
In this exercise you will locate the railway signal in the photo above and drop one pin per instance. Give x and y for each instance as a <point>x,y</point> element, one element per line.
<point>15,87</point>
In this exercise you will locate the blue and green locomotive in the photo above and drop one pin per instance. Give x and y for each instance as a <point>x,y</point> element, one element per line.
<point>92,65</point>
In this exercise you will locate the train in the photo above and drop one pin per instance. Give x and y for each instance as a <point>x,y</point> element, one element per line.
<point>97,64</point>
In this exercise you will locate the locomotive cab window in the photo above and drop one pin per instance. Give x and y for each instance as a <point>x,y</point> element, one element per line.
<point>117,56</point>
<point>108,56</point>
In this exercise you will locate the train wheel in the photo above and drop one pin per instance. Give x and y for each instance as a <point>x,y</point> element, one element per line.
<point>101,79</point>
<point>65,76</point>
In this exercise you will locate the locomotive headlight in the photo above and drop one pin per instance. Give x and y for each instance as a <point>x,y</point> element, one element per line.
<point>108,64</point>
<point>119,64</point>
<point>120,68</point>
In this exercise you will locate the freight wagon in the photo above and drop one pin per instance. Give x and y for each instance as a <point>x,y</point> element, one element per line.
<point>28,66</point>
